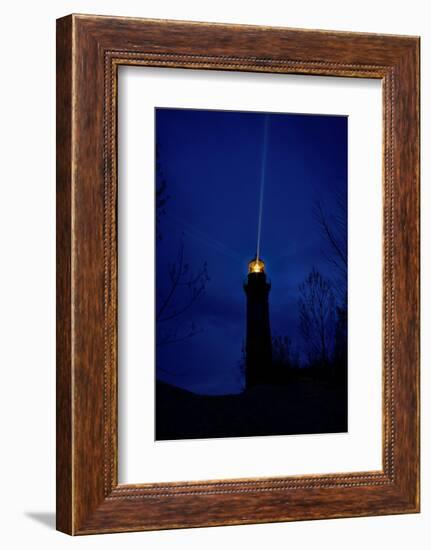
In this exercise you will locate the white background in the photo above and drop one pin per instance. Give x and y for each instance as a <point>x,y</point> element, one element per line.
<point>141,458</point>
<point>27,218</point>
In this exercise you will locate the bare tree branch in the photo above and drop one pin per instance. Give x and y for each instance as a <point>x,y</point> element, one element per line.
<point>336,241</point>
<point>172,336</point>
<point>176,303</point>
<point>316,314</point>
<point>185,286</point>
<point>334,230</point>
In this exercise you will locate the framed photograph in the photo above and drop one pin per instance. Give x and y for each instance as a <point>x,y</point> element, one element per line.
<point>237,274</point>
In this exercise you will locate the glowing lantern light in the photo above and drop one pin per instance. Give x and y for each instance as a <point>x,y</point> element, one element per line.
<point>256,266</point>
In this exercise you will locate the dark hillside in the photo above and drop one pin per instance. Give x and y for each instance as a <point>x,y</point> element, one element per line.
<point>302,406</point>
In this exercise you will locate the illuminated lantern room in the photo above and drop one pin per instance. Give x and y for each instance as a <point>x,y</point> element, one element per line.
<point>258,348</point>
<point>256,266</point>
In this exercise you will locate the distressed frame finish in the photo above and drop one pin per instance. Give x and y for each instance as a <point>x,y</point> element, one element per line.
<point>89,51</point>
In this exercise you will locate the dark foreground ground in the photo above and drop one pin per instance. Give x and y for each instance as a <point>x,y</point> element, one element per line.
<point>300,407</point>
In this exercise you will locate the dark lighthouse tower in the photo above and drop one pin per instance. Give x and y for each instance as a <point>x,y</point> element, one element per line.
<point>258,343</point>
<point>258,355</point>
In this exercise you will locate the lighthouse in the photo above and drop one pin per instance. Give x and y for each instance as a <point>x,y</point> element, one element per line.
<point>258,355</point>
<point>258,338</point>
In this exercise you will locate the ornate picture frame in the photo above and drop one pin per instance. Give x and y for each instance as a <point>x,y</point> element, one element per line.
<point>89,51</point>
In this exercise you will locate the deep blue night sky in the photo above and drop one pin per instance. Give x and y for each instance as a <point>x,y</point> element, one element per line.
<point>211,162</point>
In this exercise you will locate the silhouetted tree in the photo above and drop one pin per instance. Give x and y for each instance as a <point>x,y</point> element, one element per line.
<point>161,194</point>
<point>334,229</point>
<point>283,354</point>
<point>186,285</point>
<point>185,288</point>
<point>333,226</point>
<point>340,346</point>
<point>285,359</point>
<point>316,313</point>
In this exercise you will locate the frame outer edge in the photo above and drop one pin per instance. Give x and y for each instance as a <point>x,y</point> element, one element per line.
<point>407,268</point>
<point>64,368</point>
<point>81,507</point>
